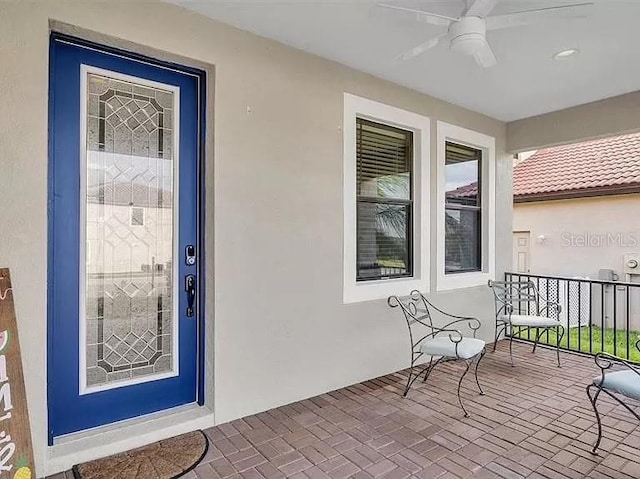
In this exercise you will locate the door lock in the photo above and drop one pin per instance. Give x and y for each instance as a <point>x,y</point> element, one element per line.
<point>190,255</point>
<point>190,288</point>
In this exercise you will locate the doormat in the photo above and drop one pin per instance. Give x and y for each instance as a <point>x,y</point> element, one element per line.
<point>166,459</point>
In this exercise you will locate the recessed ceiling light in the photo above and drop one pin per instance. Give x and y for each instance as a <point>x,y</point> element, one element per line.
<point>565,53</point>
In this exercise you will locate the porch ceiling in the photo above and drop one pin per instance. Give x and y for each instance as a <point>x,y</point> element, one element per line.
<point>526,81</point>
<point>535,421</point>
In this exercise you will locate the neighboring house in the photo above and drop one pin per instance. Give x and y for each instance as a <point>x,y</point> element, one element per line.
<point>576,209</point>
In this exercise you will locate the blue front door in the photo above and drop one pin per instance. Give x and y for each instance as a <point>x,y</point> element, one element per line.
<point>123,236</point>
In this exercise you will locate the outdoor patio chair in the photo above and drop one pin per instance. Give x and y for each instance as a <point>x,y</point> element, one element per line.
<point>518,305</point>
<point>450,345</point>
<point>623,383</point>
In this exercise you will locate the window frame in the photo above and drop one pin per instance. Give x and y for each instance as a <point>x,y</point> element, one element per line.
<point>447,132</point>
<point>459,207</point>
<point>368,290</point>
<point>389,201</point>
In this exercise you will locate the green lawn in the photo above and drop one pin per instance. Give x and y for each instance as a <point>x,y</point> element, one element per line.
<point>582,333</point>
<point>391,263</point>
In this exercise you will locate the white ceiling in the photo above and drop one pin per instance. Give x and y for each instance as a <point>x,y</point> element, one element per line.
<point>526,81</point>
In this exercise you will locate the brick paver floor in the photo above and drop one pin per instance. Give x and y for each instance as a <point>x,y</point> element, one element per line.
<point>535,421</point>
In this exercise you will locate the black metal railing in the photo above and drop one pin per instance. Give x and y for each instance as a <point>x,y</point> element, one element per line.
<point>598,315</point>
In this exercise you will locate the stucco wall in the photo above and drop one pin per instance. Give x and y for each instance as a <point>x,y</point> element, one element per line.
<point>581,235</point>
<point>282,332</point>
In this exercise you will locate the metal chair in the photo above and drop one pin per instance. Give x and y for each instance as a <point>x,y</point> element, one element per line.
<point>624,382</point>
<point>512,298</point>
<point>418,312</point>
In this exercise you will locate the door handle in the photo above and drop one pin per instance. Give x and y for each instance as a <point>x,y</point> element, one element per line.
<point>190,288</point>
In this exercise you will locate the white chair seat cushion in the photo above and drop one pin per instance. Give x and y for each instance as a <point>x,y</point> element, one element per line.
<point>530,320</point>
<point>467,348</point>
<point>626,383</point>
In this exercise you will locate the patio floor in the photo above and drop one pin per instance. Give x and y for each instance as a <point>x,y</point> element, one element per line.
<point>535,421</point>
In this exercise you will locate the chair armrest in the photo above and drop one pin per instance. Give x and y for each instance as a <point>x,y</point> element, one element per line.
<point>605,362</point>
<point>473,324</point>
<point>549,305</point>
<point>455,335</point>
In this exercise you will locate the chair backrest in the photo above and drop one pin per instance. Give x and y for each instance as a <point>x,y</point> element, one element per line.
<point>515,297</point>
<point>416,310</point>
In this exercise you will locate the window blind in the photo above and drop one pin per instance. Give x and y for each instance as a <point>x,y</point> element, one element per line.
<point>384,158</point>
<point>383,152</point>
<point>457,153</point>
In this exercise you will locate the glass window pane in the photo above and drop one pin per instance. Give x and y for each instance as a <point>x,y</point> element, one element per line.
<point>383,244</point>
<point>129,225</point>
<point>462,240</point>
<point>462,174</point>
<point>384,158</point>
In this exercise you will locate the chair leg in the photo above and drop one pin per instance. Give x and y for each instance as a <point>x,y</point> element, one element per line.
<point>428,369</point>
<point>511,346</point>
<point>431,368</point>
<point>539,333</point>
<point>593,399</point>
<point>558,340</point>
<point>412,377</point>
<point>409,382</point>
<point>497,335</point>
<point>484,351</point>
<point>468,364</point>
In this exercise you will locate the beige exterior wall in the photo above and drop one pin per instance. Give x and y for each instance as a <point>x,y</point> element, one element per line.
<point>282,332</point>
<point>581,236</point>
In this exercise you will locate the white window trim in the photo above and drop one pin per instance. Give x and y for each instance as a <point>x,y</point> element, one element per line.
<point>456,134</point>
<point>357,291</point>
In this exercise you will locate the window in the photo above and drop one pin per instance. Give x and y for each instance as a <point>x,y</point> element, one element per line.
<point>463,209</point>
<point>466,210</point>
<point>384,162</point>
<point>137,216</point>
<point>386,200</point>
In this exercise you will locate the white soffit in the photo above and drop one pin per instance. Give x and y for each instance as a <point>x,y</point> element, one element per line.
<point>527,80</point>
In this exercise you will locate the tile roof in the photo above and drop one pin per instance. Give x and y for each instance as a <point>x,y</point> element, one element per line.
<point>465,191</point>
<point>606,166</point>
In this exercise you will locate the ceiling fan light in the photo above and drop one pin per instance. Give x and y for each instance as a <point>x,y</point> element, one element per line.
<point>468,35</point>
<point>565,53</point>
<point>468,44</point>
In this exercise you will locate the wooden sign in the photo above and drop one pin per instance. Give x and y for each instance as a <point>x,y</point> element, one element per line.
<point>16,453</point>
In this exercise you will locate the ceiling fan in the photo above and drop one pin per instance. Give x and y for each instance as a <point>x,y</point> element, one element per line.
<point>467,34</point>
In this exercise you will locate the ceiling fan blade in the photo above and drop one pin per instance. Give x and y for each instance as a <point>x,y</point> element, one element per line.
<point>425,17</point>
<point>480,8</point>
<point>423,47</point>
<point>533,16</point>
<point>485,56</point>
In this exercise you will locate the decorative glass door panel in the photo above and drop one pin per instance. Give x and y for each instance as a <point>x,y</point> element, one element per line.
<point>124,158</point>
<point>129,230</point>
